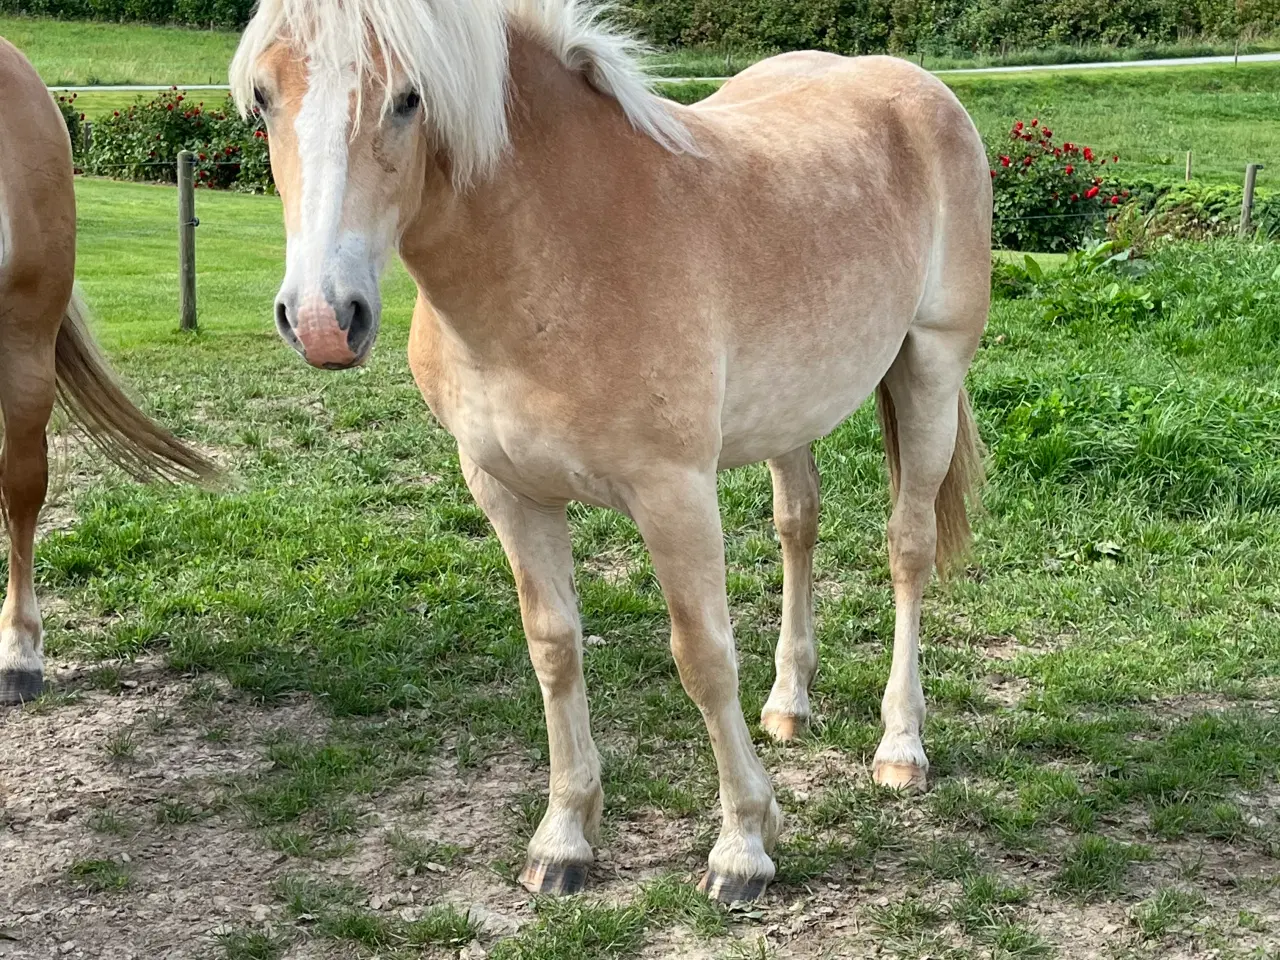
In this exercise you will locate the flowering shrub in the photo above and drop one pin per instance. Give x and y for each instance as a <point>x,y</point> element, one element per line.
<point>1050,195</point>
<point>73,118</point>
<point>143,143</point>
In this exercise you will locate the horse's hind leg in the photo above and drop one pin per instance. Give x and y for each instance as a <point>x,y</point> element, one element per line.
<point>795,515</point>
<point>26,395</point>
<point>921,416</point>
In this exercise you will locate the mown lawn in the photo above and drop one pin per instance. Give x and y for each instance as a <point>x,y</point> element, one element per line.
<point>81,53</point>
<point>1228,116</point>
<point>1101,679</point>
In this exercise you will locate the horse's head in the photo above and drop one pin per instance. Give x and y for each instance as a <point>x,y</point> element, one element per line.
<point>358,102</point>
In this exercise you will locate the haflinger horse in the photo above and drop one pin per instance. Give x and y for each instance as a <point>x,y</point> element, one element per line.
<point>619,297</point>
<point>47,354</point>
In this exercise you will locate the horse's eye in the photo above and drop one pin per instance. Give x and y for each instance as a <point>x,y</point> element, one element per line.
<point>259,98</point>
<point>407,103</point>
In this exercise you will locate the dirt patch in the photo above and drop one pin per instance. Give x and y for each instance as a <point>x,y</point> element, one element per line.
<point>100,775</point>
<point>98,778</point>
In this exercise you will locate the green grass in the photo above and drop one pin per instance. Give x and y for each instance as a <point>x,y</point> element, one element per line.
<point>245,944</point>
<point>84,54</point>
<point>1096,866</point>
<point>1121,579</point>
<point>1166,912</point>
<point>1150,117</point>
<point>101,875</point>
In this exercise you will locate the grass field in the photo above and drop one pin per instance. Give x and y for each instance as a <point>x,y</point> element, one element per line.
<point>1228,116</point>
<point>1103,704</point>
<point>83,54</point>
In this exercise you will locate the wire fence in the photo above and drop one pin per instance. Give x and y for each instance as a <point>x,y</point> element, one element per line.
<point>183,175</point>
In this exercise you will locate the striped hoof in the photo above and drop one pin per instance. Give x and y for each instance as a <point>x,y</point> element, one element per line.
<point>732,889</point>
<point>18,686</point>
<point>555,879</point>
<point>906,777</point>
<point>784,726</point>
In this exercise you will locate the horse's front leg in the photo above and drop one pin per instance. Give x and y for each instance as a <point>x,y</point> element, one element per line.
<point>536,540</point>
<point>679,517</point>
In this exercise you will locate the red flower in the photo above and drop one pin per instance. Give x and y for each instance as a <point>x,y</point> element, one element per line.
<point>1035,121</point>
<point>1115,199</point>
<point>115,113</point>
<point>1069,170</point>
<point>203,157</point>
<point>1115,159</point>
<point>1047,133</point>
<point>993,173</point>
<point>169,107</point>
<point>1075,197</point>
<point>1026,161</point>
<point>1091,193</point>
<point>82,116</point>
<point>180,98</point>
<point>1097,181</point>
<point>1088,154</point>
<point>1069,147</point>
<point>1018,125</point>
<point>1124,193</point>
<point>1005,161</point>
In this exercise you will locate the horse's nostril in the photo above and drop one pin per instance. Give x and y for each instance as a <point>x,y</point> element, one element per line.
<point>283,324</point>
<point>359,324</point>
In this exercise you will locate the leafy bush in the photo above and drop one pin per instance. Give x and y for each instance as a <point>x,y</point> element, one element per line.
<point>143,143</point>
<point>231,14</point>
<point>74,120</point>
<point>1191,210</point>
<point>846,26</point>
<point>943,26</point>
<point>1050,195</point>
<point>1180,444</point>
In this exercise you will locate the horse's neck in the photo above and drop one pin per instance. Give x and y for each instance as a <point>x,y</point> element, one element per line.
<point>572,151</point>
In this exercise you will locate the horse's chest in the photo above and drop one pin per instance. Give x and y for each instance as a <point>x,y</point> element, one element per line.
<point>512,433</point>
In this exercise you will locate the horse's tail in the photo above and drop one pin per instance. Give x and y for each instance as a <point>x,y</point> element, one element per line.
<point>94,399</point>
<point>961,485</point>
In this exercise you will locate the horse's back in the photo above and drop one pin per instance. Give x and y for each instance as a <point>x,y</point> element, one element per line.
<point>37,194</point>
<point>867,205</point>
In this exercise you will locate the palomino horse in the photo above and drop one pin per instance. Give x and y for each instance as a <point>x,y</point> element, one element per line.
<point>619,296</point>
<point>47,354</point>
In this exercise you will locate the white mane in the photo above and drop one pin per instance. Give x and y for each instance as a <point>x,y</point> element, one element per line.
<point>454,52</point>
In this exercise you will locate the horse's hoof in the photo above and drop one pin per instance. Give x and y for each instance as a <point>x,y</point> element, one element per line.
<point>732,889</point>
<point>18,686</point>
<point>557,879</point>
<point>784,726</point>
<point>906,777</point>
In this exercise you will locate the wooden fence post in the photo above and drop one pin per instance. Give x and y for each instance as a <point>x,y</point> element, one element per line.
<point>1188,164</point>
<point>86,137</point>
<point>187,224</point>
<point>1246,205</point>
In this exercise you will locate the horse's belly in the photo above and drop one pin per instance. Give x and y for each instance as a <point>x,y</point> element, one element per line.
<point>780,399</point>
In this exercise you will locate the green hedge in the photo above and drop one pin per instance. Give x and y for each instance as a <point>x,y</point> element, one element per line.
<point>945,26</point>
<point>846,26</point>
<point>230,14</point>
